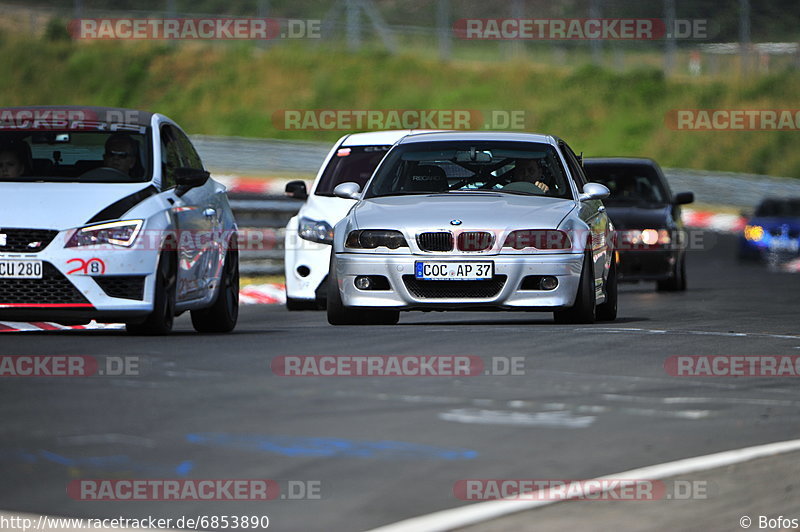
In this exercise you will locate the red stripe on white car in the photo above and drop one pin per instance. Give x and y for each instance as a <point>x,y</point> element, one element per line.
<point>261,294</point>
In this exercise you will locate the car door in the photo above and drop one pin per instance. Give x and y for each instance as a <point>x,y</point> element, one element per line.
<point>194,223</point>
<point>215,205</point>
<point>592,212</point>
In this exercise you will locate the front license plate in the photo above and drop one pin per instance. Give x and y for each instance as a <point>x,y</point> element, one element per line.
<point>20,269</point>
<point>453,271</point>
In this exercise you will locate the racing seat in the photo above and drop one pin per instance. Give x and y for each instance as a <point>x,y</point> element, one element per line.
<point>427,178</point>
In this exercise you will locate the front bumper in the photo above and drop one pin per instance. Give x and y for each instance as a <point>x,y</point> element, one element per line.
<point>306,267</point>
<point>407,294</point>
<point>81,284</point>
<point>646,265</point>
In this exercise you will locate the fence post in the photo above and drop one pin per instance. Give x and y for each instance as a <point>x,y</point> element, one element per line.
<point>669,43</point>
<point>443,29</point>
<point>353,25</point>
<point>744,35</point>
<point>596,11</point>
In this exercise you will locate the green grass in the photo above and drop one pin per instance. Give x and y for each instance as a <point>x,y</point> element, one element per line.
<point>235,89</point>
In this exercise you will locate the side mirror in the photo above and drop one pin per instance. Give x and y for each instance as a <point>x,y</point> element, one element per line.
<point>189,178</point>
<point>348,190</point>
<point>594,191</point>
<point>682,198</point>
<point>296,190</point>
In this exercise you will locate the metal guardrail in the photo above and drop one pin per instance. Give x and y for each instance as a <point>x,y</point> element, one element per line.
<point>262,221</point>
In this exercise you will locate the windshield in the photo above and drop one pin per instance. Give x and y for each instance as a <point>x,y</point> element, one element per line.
<point>350,164</point>
<point>775,208</point>
<point>75,156</point>
<point>628,183</point>
<point>524,168</point>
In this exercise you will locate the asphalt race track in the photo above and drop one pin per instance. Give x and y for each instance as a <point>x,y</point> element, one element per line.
<point>593,400</point>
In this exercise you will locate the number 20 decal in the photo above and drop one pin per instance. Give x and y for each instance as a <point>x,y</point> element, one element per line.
<point>93,266</point>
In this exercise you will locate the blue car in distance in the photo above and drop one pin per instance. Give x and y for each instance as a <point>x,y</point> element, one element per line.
<point>774,229</point>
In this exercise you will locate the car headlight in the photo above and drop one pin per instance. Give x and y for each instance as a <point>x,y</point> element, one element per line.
<point>373,238</point>
<point>122,233</point>
<point>538,238</point>
<point>754,233</point>
<point>315,231</point>
<point>649,237</point>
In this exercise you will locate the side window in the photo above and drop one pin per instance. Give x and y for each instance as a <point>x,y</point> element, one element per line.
<point>188,153</point>
<point>170,157</point>
<point>574,166</point>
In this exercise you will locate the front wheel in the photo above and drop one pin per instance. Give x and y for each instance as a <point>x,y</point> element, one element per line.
<point>676,283</point>
<point>583,310</point>
<point>160,320</point>
<point>607,311</point>
<point>222,316</point>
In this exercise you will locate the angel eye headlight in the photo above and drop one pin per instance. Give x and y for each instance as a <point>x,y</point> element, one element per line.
<point>315,231</point>
<point>374,238</point>
<point>122,234</point>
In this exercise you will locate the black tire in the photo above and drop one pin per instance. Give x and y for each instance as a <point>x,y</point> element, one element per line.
<point>160,321</point>
<point>583,311</point>
<point>221,317</point>
<point>301,304</point>
<point>676,283</point>
<point>338,314</point>
<point>607,310</point>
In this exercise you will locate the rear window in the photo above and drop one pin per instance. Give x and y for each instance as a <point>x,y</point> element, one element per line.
<point>350,164</point>
<point>628,183</point>
<point>775,208</point>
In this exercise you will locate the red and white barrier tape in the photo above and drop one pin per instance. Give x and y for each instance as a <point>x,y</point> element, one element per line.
<point>726,223</point>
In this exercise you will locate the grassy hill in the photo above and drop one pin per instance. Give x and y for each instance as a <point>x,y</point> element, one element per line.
<point>235,90</point>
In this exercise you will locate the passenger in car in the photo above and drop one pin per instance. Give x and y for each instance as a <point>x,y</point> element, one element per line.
<point>122,153</point>
<point>12,161</point>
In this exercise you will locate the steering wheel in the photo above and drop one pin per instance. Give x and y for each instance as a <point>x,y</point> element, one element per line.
<point>105,172</point>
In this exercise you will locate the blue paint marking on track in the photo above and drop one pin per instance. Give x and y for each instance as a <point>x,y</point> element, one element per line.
<point>119,462</point>
<point>330,447</point>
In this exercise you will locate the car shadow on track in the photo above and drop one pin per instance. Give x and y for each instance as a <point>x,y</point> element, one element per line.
<point>519,322</point>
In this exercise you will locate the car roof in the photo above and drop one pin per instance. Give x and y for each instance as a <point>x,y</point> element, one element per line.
<point>455,136</point>
<point>90,113</point>
<point>382,138</point>
<point>620,161</point>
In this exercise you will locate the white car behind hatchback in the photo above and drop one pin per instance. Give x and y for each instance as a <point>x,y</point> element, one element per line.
<point>309,234</point>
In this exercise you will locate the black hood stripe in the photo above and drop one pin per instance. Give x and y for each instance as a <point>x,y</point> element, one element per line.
<point>116,210</point>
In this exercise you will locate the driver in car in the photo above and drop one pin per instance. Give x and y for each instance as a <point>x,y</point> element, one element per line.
<point>526,172</point>
<point>121,152</point>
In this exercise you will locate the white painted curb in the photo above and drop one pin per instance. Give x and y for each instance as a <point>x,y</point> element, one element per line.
<point>484,511</point>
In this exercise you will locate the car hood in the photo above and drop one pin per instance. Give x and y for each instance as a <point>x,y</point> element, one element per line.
<point>326,208</point>
<point>473,210</point>
<point>636,217</point>
<point>59,205</point>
